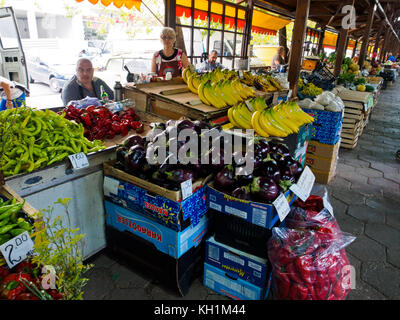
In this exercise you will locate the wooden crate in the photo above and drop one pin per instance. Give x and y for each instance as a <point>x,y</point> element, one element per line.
<point>7,192</point>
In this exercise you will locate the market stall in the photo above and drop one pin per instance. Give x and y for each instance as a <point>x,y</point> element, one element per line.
<point>253,233</point>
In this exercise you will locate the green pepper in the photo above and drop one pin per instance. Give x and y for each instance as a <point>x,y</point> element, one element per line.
<point>4,238</point>
<point>17,231</point>
<point>24,225</point>
<point>4,222</point>
<point>7,207</point>
<point>58,158</point>
<point>7,228</point>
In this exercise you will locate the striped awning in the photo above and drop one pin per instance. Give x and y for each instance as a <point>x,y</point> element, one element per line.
<point>129,4</point>
<point>262,22</point>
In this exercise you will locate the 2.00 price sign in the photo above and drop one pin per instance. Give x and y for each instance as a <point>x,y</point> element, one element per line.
<point>17,249</point>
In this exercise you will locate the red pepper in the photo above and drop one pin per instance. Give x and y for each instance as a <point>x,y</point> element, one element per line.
<point>285,255</point>
<point>140,129</point>
<point>115,117</point>
<point>305,267</point>
<point>282,284</point>
<point>322,287</point>
<point>293,273</point>
<point>90,108</point>
<point>124,130</point>
<point>13,293</point>
<point>298,292</point>
<point>55,294</point>
<point>86,119</point>
<point>116,127</point>
<point>25,267</point>
<point>4,272</point>
<point>26,296</point>
<point>111,134</point>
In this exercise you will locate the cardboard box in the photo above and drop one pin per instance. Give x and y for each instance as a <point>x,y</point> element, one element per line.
<point>175,214</point>
<point>261,214</point>
<point>235,288</point>
<point>322,150</point>
<point>143,257</point>
<point>324,177</point>
<point>237,264</point>
<point>322,164</point>
<point>166,240</point>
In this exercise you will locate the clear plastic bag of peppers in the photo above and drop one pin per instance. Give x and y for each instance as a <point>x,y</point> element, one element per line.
<point>308,258</point>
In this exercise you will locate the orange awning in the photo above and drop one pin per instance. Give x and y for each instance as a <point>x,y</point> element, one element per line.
<point>330,40</point>
<point>263,23</point>
<point>129,4</point>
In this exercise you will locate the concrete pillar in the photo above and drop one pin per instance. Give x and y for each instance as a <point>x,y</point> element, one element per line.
<point>32,25</point>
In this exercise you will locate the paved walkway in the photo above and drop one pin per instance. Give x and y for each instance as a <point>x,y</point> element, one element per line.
<point>365,196</point>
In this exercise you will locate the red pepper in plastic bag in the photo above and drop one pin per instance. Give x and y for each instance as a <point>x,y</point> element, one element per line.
<point>305,267</point>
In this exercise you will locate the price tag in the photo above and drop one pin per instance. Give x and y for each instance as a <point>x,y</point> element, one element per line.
<point>282,206</point>
<point>240,74</point>
<point>186,188</point>
<point>79,160</point>
<point>110,186</point>
<point>303,187</point>
<point>17,249</point>
<point>327,205</point>
<point>248,105</point>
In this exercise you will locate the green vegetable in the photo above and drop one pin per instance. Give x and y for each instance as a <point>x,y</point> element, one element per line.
<point>4,238</point>
<point>31,139</point>
<point>7,228</point>
<point>17,231</point>
<point>369,88</point>
<point>24,225</point>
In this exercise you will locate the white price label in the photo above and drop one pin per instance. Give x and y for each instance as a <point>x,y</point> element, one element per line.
<point>303,187</point>
<point>110,186</point>
<point>79,160</point>
<point>17,249</point>
<point>282,206</point>
<point>186,188</point>
<point>240,74</point>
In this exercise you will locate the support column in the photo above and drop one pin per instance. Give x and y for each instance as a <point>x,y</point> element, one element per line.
<point>321,41</point>
<point>354,49</point>
<point>32,25</point>
<point>247,30</point>
<point>299,29</point>
<point>367,31</point>
<point>170,13</point>
<point>341,50</point>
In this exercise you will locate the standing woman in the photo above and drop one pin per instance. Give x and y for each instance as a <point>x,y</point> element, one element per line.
<point>12,95</point>
<point>169,59</point>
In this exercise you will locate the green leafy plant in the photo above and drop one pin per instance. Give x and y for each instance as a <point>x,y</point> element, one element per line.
<point>60,246</point>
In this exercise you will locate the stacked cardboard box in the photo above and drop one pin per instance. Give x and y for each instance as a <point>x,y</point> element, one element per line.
<point>154,228</point>
<point>322,159</point>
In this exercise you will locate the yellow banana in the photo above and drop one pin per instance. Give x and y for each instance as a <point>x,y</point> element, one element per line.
<point>276,120</point>
<point>300,113</point>
<point>282,109</point>
<point>267,126</point>
<point>244,112</point>
<point>238,87</point>
<point>276,124</point>
<point>227,87</point>
<point>201,94</point>
<point>243,123</point>
<point>279,116</point>
<point>185,74</point>
<point>222,94</point>
<point>256,124</point>
<point>210,96</point>
<point>230,117</point>
<point>190,84</point>
<point>260,103</point>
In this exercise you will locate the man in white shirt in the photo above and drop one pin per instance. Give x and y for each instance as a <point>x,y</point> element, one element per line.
<point>210,64</point>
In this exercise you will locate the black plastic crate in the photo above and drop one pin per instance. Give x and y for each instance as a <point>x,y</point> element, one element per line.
<point>241,234</point>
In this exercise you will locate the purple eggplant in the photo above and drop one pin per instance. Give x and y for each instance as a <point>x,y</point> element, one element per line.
<point>279,148</point>
<point>261,148</point>
<point>135,159</point>
<point>184,124</point>
<point>214,164</point>
<point>264,189</point>
<point>133,141</point>
<point>224,180</point>
<point>180,175</point>
<point>242,176</point>
<point>298,171</point>
<point>169,164</point>
<point>201,125</point>
<point>158,125</point>
<point>288,163</point>
<point>241,155</point>
<point>270,169</point>
<point>242,192</point>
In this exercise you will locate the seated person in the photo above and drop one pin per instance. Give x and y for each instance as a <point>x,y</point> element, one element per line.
<point>278,58</point>
<point>210,64</point>
<point>83,84</point>
<point>12,94</point>
<point>169,59</point>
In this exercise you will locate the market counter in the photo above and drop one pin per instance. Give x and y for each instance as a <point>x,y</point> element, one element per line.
<point>84,187</point>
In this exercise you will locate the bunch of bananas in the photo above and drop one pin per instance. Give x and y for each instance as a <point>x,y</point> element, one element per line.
<point>279,121</point>
<point>217,88</point>
<point>264,83</point>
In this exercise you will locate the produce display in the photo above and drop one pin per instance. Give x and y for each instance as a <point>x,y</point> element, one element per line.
<point>13,221</point>
<point>309,89</point>
<point>24,282</point>
<point>131,155</point>
<point>307,255</point>
<point>100,123</point>
<point>218,88</point>
<point>265,83</point>
<point>375,80</point>
<point>274,172</point>
<point>279,121</point>
<point>31,139</point>
<point>327,101</point>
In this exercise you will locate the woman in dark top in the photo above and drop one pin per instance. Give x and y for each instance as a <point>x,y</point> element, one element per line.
<point>169,59</point>
<point>278,58</point>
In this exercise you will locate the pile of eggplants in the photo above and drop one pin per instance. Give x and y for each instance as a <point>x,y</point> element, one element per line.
<point>274,172</point>
<point>132,155</point>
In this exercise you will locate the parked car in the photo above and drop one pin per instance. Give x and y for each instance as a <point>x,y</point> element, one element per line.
<point>54,71</point>
<point>115,69</point>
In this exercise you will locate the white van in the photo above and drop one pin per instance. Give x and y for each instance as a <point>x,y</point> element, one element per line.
<point>12,57</point>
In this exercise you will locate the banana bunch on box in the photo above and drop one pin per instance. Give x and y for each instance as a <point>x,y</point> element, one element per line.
<point>217,88</point>
<point>279,121</point>
<point>264,83</point>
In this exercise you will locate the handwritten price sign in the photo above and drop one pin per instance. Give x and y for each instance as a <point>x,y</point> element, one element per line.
<point>17,249</point>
